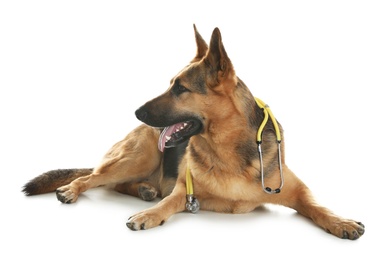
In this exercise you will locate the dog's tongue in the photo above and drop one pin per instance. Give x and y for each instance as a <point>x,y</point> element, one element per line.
<point>165,135</point>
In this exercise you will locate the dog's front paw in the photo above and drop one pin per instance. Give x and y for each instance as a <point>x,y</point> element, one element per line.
<point>347,229</point>
<point>67,194</point>
<point>145,220</point>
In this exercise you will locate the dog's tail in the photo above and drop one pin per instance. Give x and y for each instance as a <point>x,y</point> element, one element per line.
<point>51,180</point>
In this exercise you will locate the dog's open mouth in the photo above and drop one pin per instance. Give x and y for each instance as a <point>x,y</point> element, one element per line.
<point>177,134</point>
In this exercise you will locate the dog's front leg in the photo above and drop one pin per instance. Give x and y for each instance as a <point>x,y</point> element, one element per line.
<point>158,214</point>
<point>299,197</point>
<point>325,218</point>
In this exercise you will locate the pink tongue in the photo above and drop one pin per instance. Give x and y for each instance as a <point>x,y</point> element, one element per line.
<point>168,131</point>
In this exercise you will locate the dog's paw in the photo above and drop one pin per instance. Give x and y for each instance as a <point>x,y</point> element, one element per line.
<point>347,229</point>
<point>66,194</point>
<point>147,192</point>
<point>145,220</point>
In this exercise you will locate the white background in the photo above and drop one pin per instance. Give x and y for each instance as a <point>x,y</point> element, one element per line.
<point>72,74</point>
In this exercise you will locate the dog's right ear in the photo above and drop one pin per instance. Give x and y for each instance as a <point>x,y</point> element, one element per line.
<point>217,59</point>
<point>202,46</point>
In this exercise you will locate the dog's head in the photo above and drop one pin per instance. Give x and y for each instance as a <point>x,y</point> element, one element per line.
<point>197,94</point>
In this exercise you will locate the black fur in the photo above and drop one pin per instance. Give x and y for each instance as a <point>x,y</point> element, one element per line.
<point>172,158</point>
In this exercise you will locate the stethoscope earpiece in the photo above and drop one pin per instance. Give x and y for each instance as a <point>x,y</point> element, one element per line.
<point>269,190</point>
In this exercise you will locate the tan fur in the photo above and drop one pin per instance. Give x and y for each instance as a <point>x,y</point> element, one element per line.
<point>222,158</point>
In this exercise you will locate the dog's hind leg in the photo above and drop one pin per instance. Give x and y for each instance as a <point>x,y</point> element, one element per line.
<point>135,158</point>
<point>143,190</point>
<point>298,196</point>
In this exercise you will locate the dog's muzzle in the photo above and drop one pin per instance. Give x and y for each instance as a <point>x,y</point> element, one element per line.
<point>141,114</point>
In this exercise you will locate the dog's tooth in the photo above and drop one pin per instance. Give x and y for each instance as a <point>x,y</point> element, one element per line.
<point>185,124</point>
<point>167,138</point>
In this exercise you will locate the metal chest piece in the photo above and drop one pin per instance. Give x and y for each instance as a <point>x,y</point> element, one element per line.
<point>192,204</point>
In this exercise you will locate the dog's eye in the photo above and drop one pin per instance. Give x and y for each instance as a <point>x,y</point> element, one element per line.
<point>178,89</point>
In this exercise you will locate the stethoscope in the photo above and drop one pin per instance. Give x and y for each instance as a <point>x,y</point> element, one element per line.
<point>192,203</point>
<point>268,113</point>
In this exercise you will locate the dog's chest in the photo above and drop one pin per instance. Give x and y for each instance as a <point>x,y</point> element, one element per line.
<point>227,185</point>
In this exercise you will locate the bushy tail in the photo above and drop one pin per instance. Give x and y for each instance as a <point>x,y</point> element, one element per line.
<point>51,180</point>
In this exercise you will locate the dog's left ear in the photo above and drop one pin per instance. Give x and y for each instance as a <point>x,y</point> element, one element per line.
<point>202,47</point>
<point>217,58</point>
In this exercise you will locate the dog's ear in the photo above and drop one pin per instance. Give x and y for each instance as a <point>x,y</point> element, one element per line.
<point>217,58</point>
<point>202,47</point>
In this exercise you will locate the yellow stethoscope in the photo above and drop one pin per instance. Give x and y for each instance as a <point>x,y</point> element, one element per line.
<point>192,203</point>
<point>268,113</point>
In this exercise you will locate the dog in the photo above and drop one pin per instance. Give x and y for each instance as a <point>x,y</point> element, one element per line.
<point>203,131</point>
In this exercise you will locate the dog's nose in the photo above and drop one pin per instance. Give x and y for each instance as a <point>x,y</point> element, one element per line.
<point>141,114</point>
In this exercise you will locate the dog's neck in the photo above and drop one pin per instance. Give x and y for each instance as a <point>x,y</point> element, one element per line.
<point>234,133</point>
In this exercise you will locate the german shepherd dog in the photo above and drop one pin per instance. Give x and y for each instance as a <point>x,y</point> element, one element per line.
<point>205,122</point>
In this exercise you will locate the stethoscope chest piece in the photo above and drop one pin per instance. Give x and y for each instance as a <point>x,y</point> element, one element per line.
<point>192,204</point>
